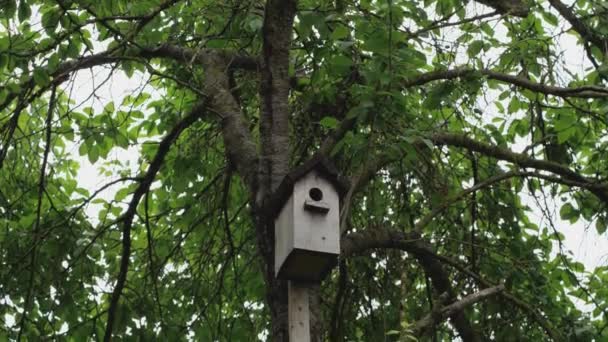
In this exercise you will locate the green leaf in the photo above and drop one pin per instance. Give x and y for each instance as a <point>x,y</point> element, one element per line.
<point>73,48</point>
<point>122,141</point>
<point>487,29</point>
<point>93,154</point>
<point>50,19</point>
<point>14,87</point>
<point>122,194</point>
<point>340,32</point>
<point>41,77</point>
<point>474,48</point>
<point>550,18</point>
<point>329,122</point>
<point>8,8</point>
<point>568,212</point>
<point>255,24</point>
<point>565,127</point>
<point>83,149</point>
<point>438,94</point>
<point>128,68</point>
<point>5,43</point>
<point>24,11</point>
<point>514,105</point>
<point>601,225</point>
<point>412,57</point>
<point>340,64</point>
<point>603,69</point>
<point>109,108</point>
<point>3,61</point>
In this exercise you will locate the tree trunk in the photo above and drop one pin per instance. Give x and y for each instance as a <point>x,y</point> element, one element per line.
<point>274,136</point>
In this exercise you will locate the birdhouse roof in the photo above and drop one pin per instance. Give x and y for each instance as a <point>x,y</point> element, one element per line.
<point>320,164</point>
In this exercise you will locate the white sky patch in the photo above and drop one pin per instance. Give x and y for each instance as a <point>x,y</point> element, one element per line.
<point>108,87</point>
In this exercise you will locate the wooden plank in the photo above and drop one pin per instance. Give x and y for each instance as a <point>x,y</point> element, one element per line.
<point>283,233</point>
<point>299,312</point>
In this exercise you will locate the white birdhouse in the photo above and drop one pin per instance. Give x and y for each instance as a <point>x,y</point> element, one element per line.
<point>307,222</point>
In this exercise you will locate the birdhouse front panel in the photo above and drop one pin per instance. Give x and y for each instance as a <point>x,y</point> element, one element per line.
<point>316,214</point>
<point>307,229</point>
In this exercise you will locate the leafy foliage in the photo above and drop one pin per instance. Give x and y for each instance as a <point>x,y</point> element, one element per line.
<point>421,103</point>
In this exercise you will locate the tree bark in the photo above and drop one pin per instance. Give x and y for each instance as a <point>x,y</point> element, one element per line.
<point>274,136</point>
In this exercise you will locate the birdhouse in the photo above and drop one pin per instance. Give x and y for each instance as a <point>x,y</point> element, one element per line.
<point>307,221</point>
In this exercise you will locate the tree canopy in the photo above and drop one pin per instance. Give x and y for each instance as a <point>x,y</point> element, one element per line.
<point>454,121</point>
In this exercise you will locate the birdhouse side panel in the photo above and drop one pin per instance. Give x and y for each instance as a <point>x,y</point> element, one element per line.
<point>316,214</point>
<point>283,233</point>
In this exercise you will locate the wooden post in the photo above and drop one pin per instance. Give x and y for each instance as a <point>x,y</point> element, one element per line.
<point>299,312</point>
<point>306,211</point>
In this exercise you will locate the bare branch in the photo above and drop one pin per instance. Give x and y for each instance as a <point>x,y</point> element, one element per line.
<point>36,232</point>
<point>529,309</point>
<point>441,313</point>
<point>440,25</point>
<point>522,160</point>
<point>581,92</point>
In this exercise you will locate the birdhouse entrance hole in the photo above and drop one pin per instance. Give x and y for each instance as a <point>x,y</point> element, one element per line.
<point>315,194</point>
<point>314,204</point>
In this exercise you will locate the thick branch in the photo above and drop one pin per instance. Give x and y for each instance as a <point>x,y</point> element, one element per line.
<point>579,26</point>
<point>238,141</point>
<point>10,127</point>
<point>359,242</point>
<point>178,53</point>
<point>61,74</point>
<point>412,242</point>
<point>127,218</point>
<point>201,56</point>
<point>512,7</point>
<point>440,24</point>
<point>580,92</point>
